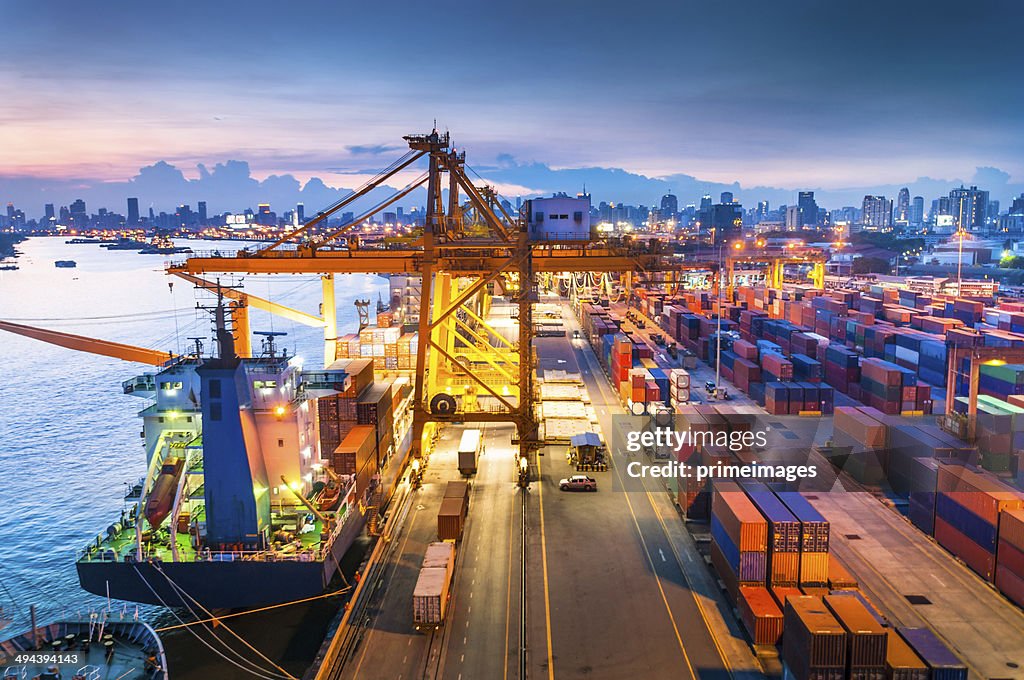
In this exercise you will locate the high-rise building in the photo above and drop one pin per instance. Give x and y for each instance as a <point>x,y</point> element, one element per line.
<point>793,219</point>
<point>808,209</point>
<point>727,198</point>
<point>969,208</point>
<point>300,212</point>
<point>77,207</point>
<point>48,214</point>
<point>705,202</point>
<point>876,212</point>
<point>761,214</point>
<point>917,211</point>
<point>201,209</point>
<point>669,207</point>
<point>133,212</point>
<point>902,218</point>
<point>183,216</point>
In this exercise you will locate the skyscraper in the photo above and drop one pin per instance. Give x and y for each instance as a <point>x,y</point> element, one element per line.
<point>202,213</point>
<point>762,211</point>
<point>808,209</point>
<point>300,212</point>
<point>705,202</point>
<point>78,207</point>
<point>903,208</point>
<point>133,212</point>
<point>669,207</point>
<point>877,212</point>
<point>48,214</point>
<point>969,208</point>
<point>727,197</point>
<point>917,211</point>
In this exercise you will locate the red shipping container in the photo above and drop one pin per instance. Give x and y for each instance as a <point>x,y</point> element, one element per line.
<point>972,554</point>
<point>782,593</point>
<point>1010,557</point>
<point>1011,528</point>
<point>1011,585</point>
<point>983,495</point>
<point>760,615</point>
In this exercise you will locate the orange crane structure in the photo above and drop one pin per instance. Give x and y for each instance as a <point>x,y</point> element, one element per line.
<point>457,266</point>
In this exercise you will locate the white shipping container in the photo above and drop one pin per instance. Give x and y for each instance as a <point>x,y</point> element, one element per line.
<point>430,597</point>
<point>366,350</point>
<point>440,554</point>
<point>378,350</point>
<point>678,377</point>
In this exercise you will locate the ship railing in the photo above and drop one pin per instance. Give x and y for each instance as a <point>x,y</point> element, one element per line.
<point>204,556</point>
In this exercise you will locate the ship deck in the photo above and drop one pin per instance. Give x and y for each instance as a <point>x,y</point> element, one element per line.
<point>124,543</point>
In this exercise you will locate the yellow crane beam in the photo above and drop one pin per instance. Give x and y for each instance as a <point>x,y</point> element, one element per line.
<point>254,301</point>
<point>142,355</point>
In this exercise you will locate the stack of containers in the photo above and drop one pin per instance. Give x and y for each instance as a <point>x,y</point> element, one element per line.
<point>867,641</point>
<point>842,368</point>
<point>1010,556</point>
<point>739,538</point>
<point>621,355</point>
<point>776,368</point>
<point>776,398</point>
<point>814,539</point>
<point>783,535</point>
<point>760,615</point>
<point>814,643</point>
<point>407,347</point>
<point>678,386</point>
<point>967,509</point>
<point>806,369</point>
<point>866,438</point>
<point>942,663</point>
<point>882,386</point>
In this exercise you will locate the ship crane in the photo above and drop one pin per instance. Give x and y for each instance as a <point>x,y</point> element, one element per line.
<point>81,343</point>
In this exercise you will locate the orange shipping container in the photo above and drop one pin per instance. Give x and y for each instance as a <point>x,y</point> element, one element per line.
<point>450,519</point>
<point>983,495</point>
<point>813,569</point>
<point>761,616</point>
<point>744,523</point>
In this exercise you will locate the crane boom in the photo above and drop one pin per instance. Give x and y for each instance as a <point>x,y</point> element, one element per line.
<point>254,301</point>
<point>142,355</point>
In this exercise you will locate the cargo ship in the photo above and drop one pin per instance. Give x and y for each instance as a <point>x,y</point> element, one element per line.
<point>260,476</point>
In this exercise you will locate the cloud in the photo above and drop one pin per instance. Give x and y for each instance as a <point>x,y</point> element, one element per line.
<point>372,149</point>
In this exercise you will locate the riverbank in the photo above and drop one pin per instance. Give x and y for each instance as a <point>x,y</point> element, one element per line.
<point>7,245</point>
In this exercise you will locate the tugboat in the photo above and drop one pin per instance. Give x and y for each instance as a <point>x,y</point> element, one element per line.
<point>65,264</point>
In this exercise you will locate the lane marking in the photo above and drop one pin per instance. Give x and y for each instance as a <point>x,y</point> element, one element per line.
<point>544,563</point>
<point>660,552</point>
<point>508,593</point>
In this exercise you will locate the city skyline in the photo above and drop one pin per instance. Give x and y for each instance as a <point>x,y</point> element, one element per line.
<point>194,85</point>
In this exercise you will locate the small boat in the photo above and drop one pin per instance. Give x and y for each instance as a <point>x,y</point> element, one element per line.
<point>100,645</point>
<point>65,264</point>
<point>161,497</point>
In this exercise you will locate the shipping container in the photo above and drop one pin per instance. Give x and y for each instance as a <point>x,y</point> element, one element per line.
<point>813,641</point>
<point>739,517</point>
<point>814,528</point>
<point>430,597</point>
<point>867,640</point>
<point>838,576</point>
<point>901,662</point>
<point>943,663</point>
<point>451,519</point>
<point>760,615</point>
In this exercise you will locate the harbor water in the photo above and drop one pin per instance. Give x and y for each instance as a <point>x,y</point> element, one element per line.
<point>69,437</point>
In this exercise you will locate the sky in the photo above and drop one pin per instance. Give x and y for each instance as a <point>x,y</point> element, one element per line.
<point>762,96</point>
